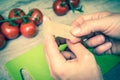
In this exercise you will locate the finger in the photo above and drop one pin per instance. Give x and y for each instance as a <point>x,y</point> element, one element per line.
<point>83,18</point>
<point>78,49</point>
<point>51,47</point>
<point>75,40</point>
<point>97,15</point>
<point>95,41</point>
<point>68,55</point>
<point>48,61</point>
<point>52,50</point>
<point>45,51</point>
<point>49,64</point>
<point>78,21</point>
<point>115,46</point>
<point>103,48</point>
<point>46,56</point>
<point>91,26</point>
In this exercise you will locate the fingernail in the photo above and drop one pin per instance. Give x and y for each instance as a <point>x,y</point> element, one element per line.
<point>76,31</point>
<point>109,44</point>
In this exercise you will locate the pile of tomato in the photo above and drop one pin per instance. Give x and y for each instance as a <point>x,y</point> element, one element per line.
<point>61,7</point>
<point>19,23</point>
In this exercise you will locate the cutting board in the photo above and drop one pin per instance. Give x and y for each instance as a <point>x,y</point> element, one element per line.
<point>34,62</point>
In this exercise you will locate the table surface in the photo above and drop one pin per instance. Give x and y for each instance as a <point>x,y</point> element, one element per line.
<point>21,44</point>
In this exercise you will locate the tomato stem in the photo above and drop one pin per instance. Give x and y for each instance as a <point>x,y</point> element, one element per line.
<point>30,13</point>
<point>12,23</point>
<point>17,13</point>
<point>73,10</point>
<point>63,3</point>
<point>79,8</point>
<point>25,20</point>
<point>5,20</point>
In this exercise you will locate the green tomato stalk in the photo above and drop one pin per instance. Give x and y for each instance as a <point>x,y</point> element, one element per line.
<point>63,3</point>
<point>73,10</point>
<point>12,19</point>
<point>79,8</point>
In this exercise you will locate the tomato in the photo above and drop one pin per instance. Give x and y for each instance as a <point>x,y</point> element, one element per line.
<point>36,16</point>
<point>2,41</point>
<point>10,32</point>
<point>75,3</point>
<point>28,29</point>
<point>1,18</point>
<point>16,13</point>
<point>60,7</point>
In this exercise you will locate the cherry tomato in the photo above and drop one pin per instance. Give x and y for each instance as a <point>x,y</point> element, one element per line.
<point>10,32</point>
<point>75,3</point>
<point>28,29</point>
<point>60,7</point>
<point>36,16</point>
<point>1,18</point>
<point>2,41</point>
<point>16,13</point>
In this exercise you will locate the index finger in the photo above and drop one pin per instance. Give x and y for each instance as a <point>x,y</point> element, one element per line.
<point>86,17</point>
<point>52,50</point>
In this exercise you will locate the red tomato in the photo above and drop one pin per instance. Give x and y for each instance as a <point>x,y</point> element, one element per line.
<point>2,41</point>
<point>36,16</point>
<point>60,7</point>
<point>16,13</point>
<point>10,32</point>
<point>1,18</point>
<point>28,29</point>
<point>75,3</point>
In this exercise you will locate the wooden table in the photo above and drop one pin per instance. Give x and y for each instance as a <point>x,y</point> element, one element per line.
<point>20,45</point>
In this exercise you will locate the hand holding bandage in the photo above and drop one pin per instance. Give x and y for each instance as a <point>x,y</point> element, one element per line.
<point>78,68</point>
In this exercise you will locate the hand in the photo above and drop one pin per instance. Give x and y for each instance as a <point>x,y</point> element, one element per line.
<point>65,66</point>
<point>106,23</point>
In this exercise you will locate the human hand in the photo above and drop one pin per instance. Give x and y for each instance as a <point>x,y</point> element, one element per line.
<point>65,66</point>
<point>106,23</point>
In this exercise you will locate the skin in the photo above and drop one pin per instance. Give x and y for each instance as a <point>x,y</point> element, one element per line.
<point>28,29</point>
<point>2,41</point>
<point>75,68</point>
<point>10,32</point>
<point>82,64</point>
<point>36,16</point>
<point>13,15</point>
<point>60,10</point>
<point>106,23</point>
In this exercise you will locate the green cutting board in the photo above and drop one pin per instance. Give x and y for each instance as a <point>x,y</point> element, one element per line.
<point>34,62</point>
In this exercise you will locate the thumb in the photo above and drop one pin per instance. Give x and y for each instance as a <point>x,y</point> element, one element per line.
<point>90,26</point>
<point>79,50</point>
